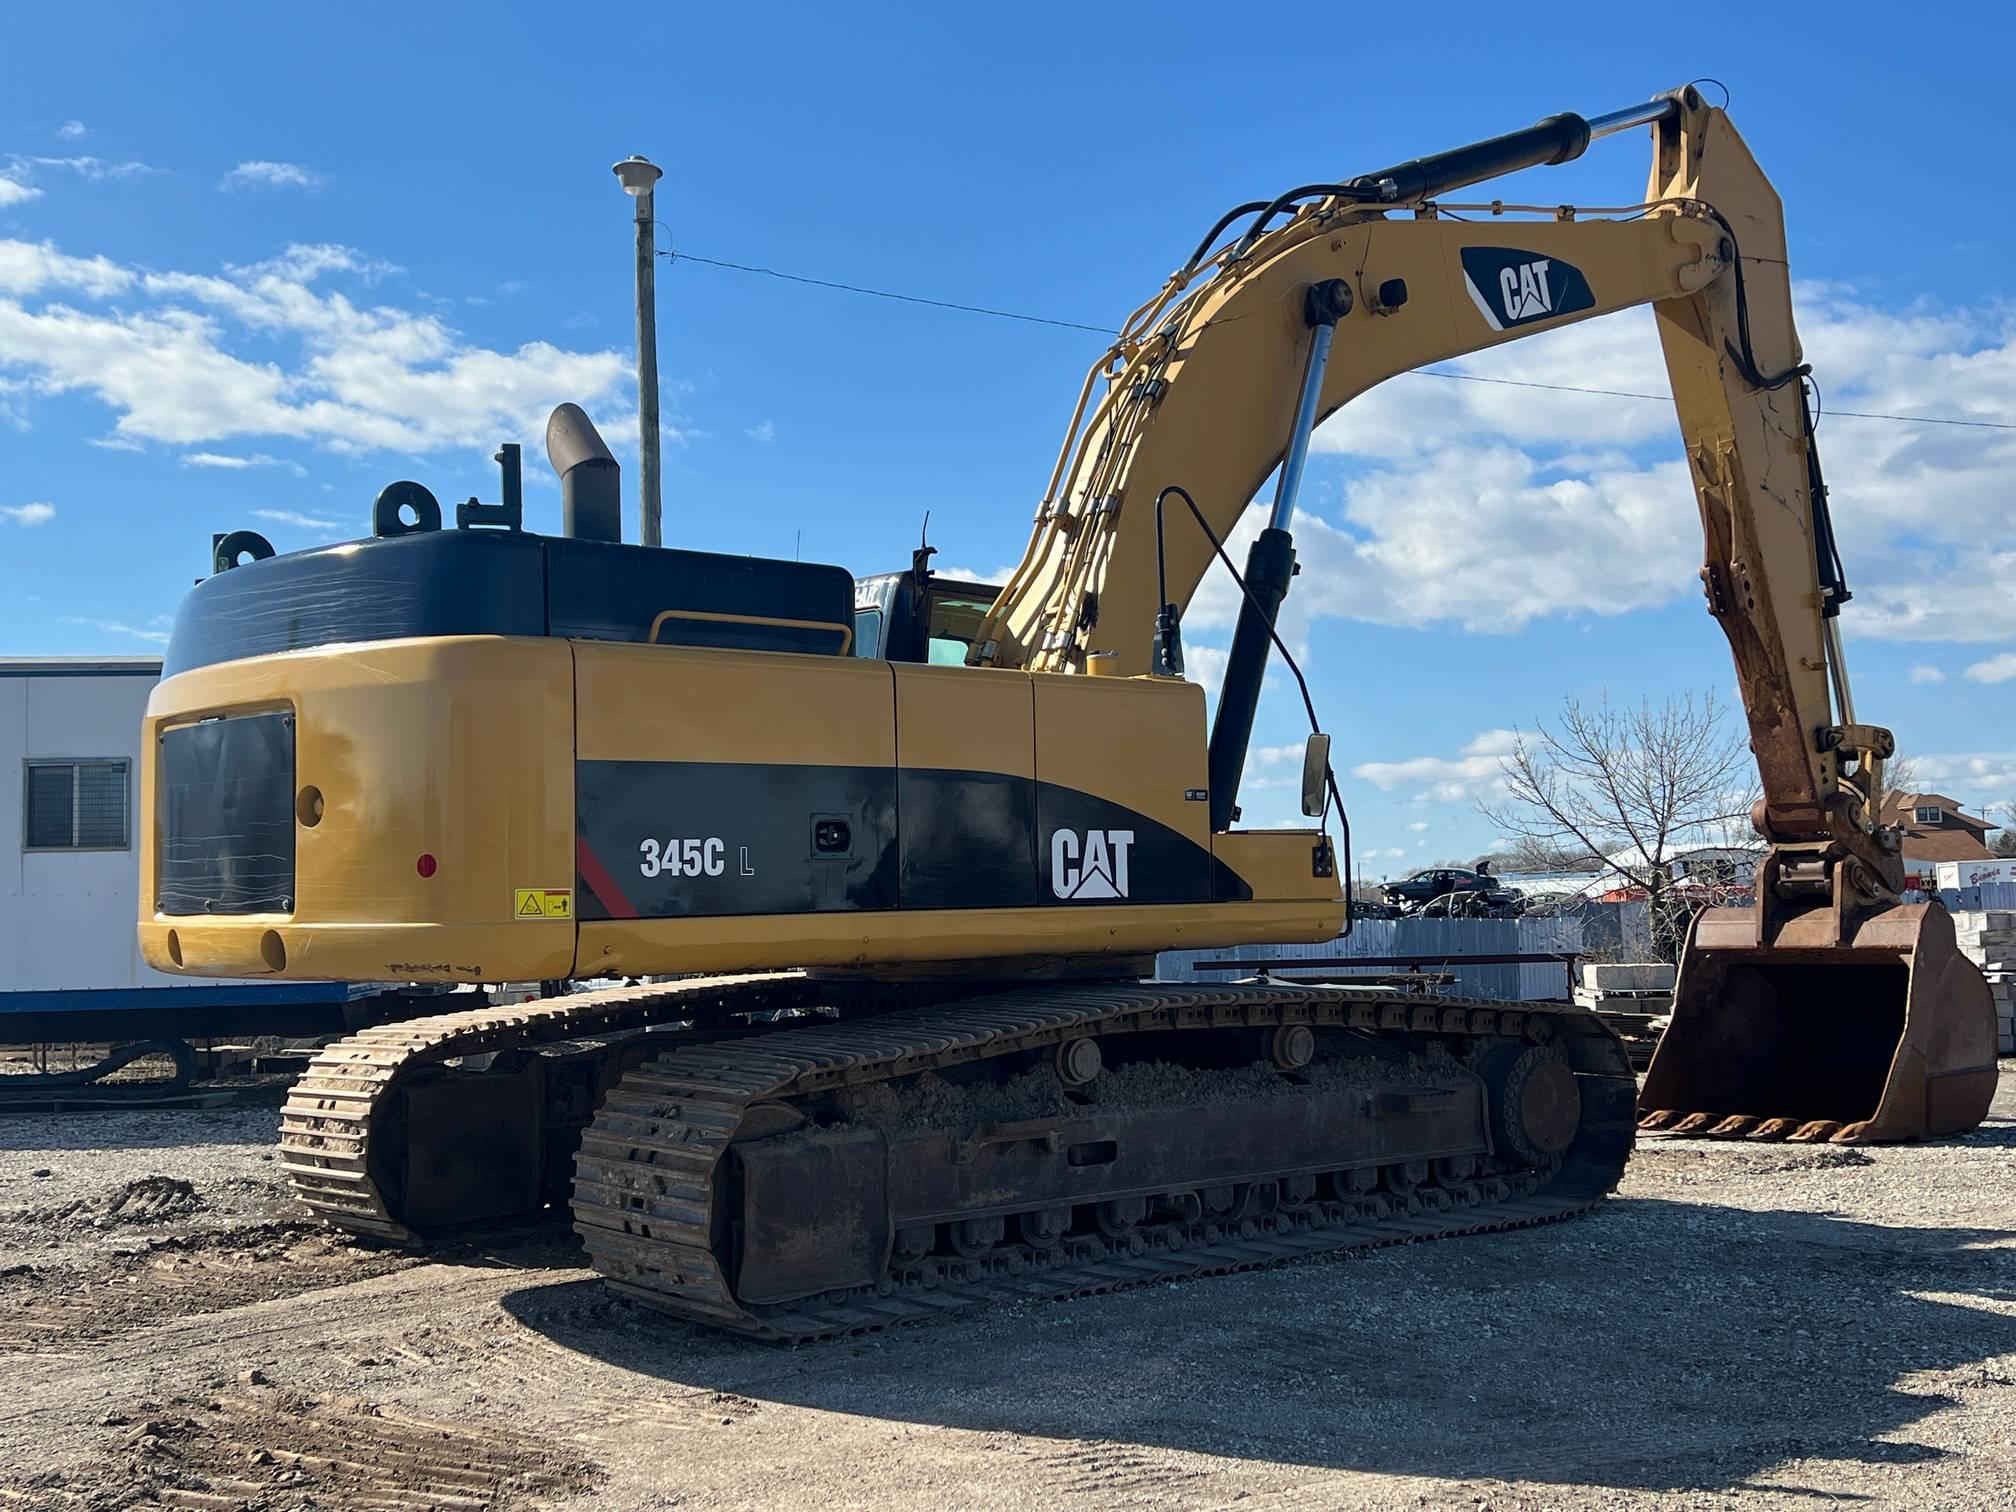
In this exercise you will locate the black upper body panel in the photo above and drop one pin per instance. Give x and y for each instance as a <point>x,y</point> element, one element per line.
<point>485,582</point>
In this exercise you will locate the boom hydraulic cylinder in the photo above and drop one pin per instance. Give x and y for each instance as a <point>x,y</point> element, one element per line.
<point>1270,564</point>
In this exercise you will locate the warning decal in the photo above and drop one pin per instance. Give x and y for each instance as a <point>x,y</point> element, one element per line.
<point>542,903</point>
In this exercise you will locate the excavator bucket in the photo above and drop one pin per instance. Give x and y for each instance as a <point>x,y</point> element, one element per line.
<point>1887,1035</point>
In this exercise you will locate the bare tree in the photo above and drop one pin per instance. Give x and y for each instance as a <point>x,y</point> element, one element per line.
<point>1527,854</point>
<point>1900,775</point>
<point>2004,843</point>
<point>1637,785</point>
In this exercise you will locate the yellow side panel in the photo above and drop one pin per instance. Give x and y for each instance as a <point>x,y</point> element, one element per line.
<point>1138,742</point>
<point>966,719</point>
<point>460,749</point>
<point>1279,865</point>
<point>678,703</point>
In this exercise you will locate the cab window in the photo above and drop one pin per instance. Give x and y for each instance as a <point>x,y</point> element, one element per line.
<point>868,632</point>
<point>955,621</point>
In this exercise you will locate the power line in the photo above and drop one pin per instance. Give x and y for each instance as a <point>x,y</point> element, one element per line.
<point>1074,325</point>
<point>942,304</point>
<point>1569,388</point>
<point>1557,388</point>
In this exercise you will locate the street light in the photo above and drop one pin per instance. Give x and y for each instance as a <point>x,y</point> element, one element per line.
<point>637,176</point>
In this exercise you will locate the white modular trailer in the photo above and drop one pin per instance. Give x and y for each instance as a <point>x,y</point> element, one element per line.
<point>70,731</point>
<point>1950,874</point>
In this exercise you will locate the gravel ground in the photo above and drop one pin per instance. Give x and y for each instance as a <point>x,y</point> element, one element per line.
<point>1770,1326</point>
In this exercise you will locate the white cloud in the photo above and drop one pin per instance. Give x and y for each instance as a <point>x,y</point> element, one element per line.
<point>114,443</point>
<point>1488,506</point>
<point>261,174</point>
<point>1416,416</point>
<point>764,433</point>
<point>119,627</point>
<point>1277,766</point>
<point>1995,669</point>
<point>1444,778</point>
<point>1979,779</point>
<point>179,366</point>
<point>1947,595</point>
<point>1419,826</point>
<point>302,521</point>
<point>36,513</point>
<point>71,130</point>
<point>1924,674</point>
<point>30,267</point>
<point>1483,537</point>
<point>14,192</point>
<point>226,460</point>
<point>1205,666</point>
<point>92,168</point>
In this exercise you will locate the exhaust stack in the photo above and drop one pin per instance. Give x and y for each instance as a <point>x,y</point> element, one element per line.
<point>591,482</point>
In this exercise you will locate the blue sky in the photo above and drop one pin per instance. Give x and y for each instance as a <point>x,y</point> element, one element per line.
<point>256,262</point>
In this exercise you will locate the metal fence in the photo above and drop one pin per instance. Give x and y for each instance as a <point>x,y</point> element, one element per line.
<point>1616,931</point>
<point>1987,895</point>
<point>1439,945</point>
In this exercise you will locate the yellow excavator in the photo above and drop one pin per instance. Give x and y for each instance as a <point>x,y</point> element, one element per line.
<point>887,863</point>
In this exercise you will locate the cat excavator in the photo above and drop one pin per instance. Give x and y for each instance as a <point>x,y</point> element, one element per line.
<point>884,865</point>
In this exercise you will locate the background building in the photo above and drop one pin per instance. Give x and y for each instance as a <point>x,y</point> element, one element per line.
<point>70,965</point>
<point>1935,830</point>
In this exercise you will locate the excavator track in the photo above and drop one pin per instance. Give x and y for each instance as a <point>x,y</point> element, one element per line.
<point>685,1074</point>
<point>653,1200</point>
<point>333,1126</point>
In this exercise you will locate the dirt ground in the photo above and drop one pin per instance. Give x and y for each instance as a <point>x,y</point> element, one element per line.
<point>1774,1327</point>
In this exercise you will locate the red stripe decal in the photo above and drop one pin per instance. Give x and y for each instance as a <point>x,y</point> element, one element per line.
<point>601,883</point>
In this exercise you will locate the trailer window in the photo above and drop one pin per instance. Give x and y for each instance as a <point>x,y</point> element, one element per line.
<point>76,805</point>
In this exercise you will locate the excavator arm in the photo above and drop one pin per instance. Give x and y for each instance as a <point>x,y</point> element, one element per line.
<point>1202,392</point>
<point>1219,381</point>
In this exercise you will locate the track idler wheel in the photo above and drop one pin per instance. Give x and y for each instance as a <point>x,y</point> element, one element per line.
<point>1536,1106</point>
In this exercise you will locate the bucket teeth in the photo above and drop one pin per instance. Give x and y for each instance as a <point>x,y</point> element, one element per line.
<point>1734,1125</point>
<point>1773,1128</point>
<point>1694,1123</point>
<point>1817,1131</point>
<point>1854,1133</point>
<point>1658,1120</point>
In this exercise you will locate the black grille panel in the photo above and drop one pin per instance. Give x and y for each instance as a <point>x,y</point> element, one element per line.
<point>227,805</point>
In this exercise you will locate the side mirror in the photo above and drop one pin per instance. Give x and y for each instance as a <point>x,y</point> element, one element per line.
<point>1315,774</point>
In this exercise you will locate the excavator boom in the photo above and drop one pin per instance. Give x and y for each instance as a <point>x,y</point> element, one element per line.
<point>1218,382</point>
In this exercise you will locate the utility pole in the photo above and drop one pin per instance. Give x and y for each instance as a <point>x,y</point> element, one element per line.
<point>637,175</point>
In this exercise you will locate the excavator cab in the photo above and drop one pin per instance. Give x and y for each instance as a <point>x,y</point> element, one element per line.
<point>1812,1028</point>
<point>919,615</point>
